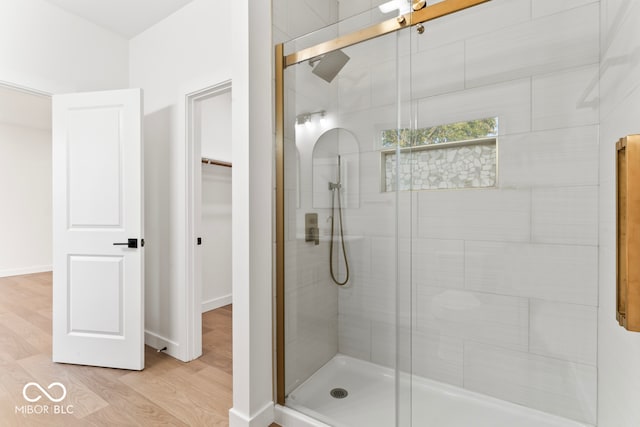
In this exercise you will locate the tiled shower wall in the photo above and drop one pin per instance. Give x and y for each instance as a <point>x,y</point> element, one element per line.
<point>504,281</point>
<point>618,349</point>
<point>311,307</point>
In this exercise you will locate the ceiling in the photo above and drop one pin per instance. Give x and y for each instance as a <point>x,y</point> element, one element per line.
<point>125,17</point>
<point>24,109</point>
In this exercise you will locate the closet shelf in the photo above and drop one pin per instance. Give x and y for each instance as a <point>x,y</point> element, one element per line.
<point>216,162</point>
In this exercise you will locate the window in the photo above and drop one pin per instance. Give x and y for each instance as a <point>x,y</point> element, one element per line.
<point>456,155</point>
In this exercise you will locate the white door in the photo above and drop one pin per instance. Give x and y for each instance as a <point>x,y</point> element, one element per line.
<point>98,292</point>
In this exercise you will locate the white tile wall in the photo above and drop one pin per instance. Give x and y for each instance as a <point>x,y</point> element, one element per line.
<point>549,272</point>
<point>438,263</point>
<point>383,83</point>
<point>471,23</point>
<point>295,18</point>
<point>354,338</point>
<point>306,18</point>
<point>327,10</point>
<point>565,99</point>
<point>551,385</point>
<point>565,215</point>
<point>561,157</point>
<point>311,312</point>
<point>556,42</point>
<point>437,70</point>
<point>354,90</point>
<point>375,218</point>
<point>353,7</point>
<point>549,7</point>
<point>438,357</point>
<point>564,331</point>
<point>373,295</point>
<point>488,318</point>
<point>618,349</point>
<point>367,125</point>
<point>279,21</point>
<point>383,333</point>
<point>475,214</point>
<point>620,60</point>
<point>354,23</point>
<point>509,101</point>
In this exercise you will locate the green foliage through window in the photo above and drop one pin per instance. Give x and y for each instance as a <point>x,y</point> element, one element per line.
<point>460,131</point>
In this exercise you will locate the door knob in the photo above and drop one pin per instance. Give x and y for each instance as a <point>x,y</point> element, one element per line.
<point>131,243</point>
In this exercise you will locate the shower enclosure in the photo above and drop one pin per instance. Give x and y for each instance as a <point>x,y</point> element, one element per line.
<point>422,282</point>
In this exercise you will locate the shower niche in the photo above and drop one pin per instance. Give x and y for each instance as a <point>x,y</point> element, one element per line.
<point>336,160</point>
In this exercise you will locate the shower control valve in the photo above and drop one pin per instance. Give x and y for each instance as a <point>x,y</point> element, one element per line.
<point>312,232</point>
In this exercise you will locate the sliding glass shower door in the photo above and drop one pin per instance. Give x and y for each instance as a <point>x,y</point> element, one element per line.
<point>342,299</point>
<point>499,166</point>
<point>425,282</point>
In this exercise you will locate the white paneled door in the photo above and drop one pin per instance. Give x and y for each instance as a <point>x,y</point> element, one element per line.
<point>98,274</point>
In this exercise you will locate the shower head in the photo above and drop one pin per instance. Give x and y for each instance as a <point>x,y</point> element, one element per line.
<point>328,66</point>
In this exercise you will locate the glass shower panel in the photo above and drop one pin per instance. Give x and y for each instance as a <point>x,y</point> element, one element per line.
<point>426,283</point>
<point>503,255</point>
<point>396,167</point>
<point>341,229</point>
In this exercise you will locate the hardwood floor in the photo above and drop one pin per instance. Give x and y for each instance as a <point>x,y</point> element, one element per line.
<point>167,392</point>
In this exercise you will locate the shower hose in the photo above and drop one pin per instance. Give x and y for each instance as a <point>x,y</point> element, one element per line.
<point>336,191</point>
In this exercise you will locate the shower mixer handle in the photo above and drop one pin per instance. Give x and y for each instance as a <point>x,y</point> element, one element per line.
<point>313,235</point>
<point>312,232</point>
<point>334,186</point>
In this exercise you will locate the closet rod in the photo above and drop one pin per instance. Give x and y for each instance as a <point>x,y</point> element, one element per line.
<point>216,162</point>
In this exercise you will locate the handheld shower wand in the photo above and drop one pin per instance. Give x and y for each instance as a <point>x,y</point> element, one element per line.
<point>335,187</point>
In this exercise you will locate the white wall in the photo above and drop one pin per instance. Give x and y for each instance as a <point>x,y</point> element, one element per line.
<point>216,237</point>
<point>49,50</point>
<point>187,51</point>
<point>46,48</point>
<point>25,186</point>
<point>213,118</point>
<point>214,114</point>
<point>618,349</point>
<point>253,193</point>
<point>196,47</point>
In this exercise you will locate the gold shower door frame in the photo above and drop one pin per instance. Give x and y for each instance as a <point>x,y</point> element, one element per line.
<point>407,20</point>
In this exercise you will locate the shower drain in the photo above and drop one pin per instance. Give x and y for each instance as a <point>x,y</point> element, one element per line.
<point>339,393</point>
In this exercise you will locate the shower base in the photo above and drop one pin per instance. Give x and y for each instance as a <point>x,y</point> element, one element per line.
<point>370,401</point>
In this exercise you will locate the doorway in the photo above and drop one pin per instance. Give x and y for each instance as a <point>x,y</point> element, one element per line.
<point>209,232</point>
<point>25,181</point>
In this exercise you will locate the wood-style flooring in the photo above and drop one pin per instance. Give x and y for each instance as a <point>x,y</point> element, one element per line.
<point>167,392</point>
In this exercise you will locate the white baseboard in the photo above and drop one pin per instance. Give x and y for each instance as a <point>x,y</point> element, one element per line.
<point>287,417</point>
<point>25,270</point>
<point>156,341</point>
<point>264,417</point>
<point>214,303</point>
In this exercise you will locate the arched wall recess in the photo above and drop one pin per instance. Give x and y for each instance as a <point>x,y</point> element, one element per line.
<point>331,144</point>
